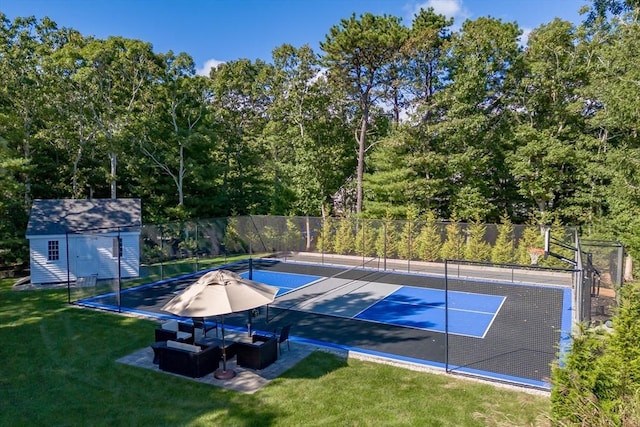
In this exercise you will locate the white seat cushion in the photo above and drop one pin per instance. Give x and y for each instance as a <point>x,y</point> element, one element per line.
<point>183,346</point>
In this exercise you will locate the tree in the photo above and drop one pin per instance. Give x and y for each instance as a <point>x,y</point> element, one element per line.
<point>598,382</point>
<point>25,45</point>
<point>238,181</point>
<point>305,133</point>
<point>345,237</point>
<point>470,126</point>
<point>453,246</point>
<point>365,238</point>
<point>325,240</point>
<point>387,240</point>
<point>179,104</point>
<point>614,121</point>
<point>406,167</point>
<point>503,251</point>
<point>117,74</point>
<point>423,52</point>
<point>477,248</point>
<point>359,54</point>
<point>548,158</point>
<point>429,241</point>
<point>407,238</point>
<point>12,167</point>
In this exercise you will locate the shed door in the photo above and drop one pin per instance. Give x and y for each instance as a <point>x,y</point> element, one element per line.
<point>87,256</point>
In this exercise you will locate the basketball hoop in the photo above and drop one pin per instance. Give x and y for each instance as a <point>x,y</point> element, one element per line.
<point>535,254</point>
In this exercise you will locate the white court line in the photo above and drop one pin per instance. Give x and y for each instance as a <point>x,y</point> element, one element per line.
<point>494,317</point>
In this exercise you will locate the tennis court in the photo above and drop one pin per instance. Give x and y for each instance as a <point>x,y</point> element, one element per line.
<point>503,331</point>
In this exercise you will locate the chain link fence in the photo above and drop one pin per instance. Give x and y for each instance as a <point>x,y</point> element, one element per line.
<point>178,248</point>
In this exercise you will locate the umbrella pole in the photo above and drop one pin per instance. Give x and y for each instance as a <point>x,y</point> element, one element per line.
<point>223,374</point>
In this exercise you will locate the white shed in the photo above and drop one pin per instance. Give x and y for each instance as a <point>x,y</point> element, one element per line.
<point>77,238</point>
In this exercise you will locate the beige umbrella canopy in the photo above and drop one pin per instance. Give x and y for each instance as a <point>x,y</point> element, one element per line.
<point>218,293</point>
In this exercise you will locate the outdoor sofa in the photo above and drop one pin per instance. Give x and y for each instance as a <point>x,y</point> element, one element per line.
<point>189,360</point>
<point>258,354</point>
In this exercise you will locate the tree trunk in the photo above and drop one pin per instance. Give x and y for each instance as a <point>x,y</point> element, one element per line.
<point>628,269</point>
<point>181,177</point>
<point>114,162</point>
<point>362,143</point>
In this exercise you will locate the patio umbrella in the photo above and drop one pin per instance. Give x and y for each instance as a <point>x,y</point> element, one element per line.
<point>218,293</point>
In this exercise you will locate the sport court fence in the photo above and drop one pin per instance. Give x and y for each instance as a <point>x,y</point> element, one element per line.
<point>178,248</point>
<point>397,244</point>
<point>523,323</point>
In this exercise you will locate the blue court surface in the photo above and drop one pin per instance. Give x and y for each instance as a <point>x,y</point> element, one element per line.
<point>285,281</point>
<point>470,314</point>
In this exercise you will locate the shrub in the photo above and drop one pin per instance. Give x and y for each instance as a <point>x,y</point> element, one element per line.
<point>452,246</point>
<point>598,383</point>
<point>503,252</point>
<point>477,249</point>
<point>428,242</point>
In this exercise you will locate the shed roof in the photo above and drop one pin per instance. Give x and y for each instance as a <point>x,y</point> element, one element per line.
<point>60,216</point>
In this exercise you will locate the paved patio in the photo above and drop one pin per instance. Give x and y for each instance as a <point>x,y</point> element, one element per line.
<point>246,380</point>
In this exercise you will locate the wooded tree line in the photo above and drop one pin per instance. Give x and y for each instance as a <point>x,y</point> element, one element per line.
<point>467,124</point>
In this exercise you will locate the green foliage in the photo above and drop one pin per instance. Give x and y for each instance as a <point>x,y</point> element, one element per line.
<point>293,236</point>
<point>232,240</point>
<point>326,241</point>
<point>548,131</point>
<point>271,238</point>
<point>429,240</point>
<point>358,55</point>
<point>453,246</point>
<point>387,239</point>
<point>503,251</point>
<point>345,237</point>
<point>13,247</point>
<point>599,380</point>
<point>407,237</point>
<point>365,238</point>
<point>477,248</point>
<point>531,238</point>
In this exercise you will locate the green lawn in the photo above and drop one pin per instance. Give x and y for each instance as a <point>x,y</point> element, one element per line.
<point>58,367</point>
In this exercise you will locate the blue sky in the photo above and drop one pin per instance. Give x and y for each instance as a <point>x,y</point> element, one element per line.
<point>222,30</point>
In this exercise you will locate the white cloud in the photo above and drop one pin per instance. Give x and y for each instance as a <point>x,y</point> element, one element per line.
<point>208,65</point>
<point>449,8</point>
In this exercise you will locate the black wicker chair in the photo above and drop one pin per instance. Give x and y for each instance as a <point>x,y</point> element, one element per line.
<point>186,335</point>
<point>206,326</point>
<point>258,354</point>
<point>283,336</point>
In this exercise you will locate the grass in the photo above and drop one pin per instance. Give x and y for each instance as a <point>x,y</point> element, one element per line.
<point>59,368</point>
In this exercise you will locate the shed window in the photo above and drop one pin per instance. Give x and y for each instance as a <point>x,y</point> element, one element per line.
<point>53,250</point>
